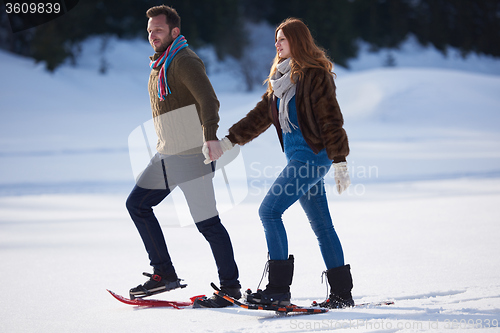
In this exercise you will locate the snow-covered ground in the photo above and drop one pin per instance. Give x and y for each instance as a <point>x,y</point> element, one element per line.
<point>419,225</point>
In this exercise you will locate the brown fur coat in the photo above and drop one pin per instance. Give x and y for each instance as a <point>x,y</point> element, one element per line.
<point>318,113</point>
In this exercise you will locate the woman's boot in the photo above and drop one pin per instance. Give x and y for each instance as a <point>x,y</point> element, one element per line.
<point>340,281</point>
<point>277,292</point>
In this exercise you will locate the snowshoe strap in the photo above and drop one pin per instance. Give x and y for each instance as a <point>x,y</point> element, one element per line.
<point>266,270</point>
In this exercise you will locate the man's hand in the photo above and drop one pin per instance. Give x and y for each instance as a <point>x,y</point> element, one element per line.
<point>214,149</point>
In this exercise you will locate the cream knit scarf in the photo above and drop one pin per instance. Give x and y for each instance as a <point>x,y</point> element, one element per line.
<point>284,89</point>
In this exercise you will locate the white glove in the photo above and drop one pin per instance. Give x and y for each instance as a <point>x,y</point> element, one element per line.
<point>213,150</point>
<point>226,144</point>
<point>342,179</point>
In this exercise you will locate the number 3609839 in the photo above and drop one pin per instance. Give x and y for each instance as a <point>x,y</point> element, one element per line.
<point>33,8</point>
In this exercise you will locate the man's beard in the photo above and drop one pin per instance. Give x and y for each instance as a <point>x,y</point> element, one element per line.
<point>164,46</point>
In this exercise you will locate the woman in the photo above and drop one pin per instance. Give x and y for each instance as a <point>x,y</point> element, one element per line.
<point>300,101</point>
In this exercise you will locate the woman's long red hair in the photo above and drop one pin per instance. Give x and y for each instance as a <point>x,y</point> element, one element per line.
<point>304,51</point>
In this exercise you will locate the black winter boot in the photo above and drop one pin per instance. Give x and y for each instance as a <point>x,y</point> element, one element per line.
<point>216,301</point>
<point>156,284</point>
<point>340,281</point>
<point>277,291</point>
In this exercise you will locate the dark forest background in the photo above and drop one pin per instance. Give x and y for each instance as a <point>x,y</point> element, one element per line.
<point>337,25</point>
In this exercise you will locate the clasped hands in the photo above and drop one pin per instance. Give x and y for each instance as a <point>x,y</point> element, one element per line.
<point>214,149</point>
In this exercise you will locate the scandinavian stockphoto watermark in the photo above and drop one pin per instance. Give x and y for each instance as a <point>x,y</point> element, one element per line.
<point>389,325</point>
<point>262,176</point>
<point>178,134</point>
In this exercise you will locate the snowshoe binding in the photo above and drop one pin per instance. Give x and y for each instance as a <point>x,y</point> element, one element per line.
<point>155,285</point>
<point>217,301</point>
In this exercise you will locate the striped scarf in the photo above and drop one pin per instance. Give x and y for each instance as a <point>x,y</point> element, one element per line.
<point>164,61</point>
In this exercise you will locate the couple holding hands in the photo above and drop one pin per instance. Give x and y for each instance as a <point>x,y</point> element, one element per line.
<point>301,103</point>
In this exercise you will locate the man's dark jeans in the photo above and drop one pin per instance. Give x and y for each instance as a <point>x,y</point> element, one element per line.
<point>194,178</point>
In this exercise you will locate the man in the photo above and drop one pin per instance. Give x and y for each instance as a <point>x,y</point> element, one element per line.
<point>179,88</point>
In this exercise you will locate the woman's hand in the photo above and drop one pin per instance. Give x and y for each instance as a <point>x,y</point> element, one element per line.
<point>342,179</point>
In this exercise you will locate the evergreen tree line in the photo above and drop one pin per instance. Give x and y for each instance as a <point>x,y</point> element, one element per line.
<point>337,25</point>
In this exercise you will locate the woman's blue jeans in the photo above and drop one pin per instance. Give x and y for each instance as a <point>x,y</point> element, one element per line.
<point>303,182</point>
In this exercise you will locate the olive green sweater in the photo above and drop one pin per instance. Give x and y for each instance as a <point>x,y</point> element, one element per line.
<point>191,91</point>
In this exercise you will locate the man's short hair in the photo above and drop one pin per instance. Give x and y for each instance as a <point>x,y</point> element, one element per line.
<point>173,19</point>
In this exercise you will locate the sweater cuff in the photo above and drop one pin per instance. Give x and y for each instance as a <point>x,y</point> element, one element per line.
<point>210,133</point>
